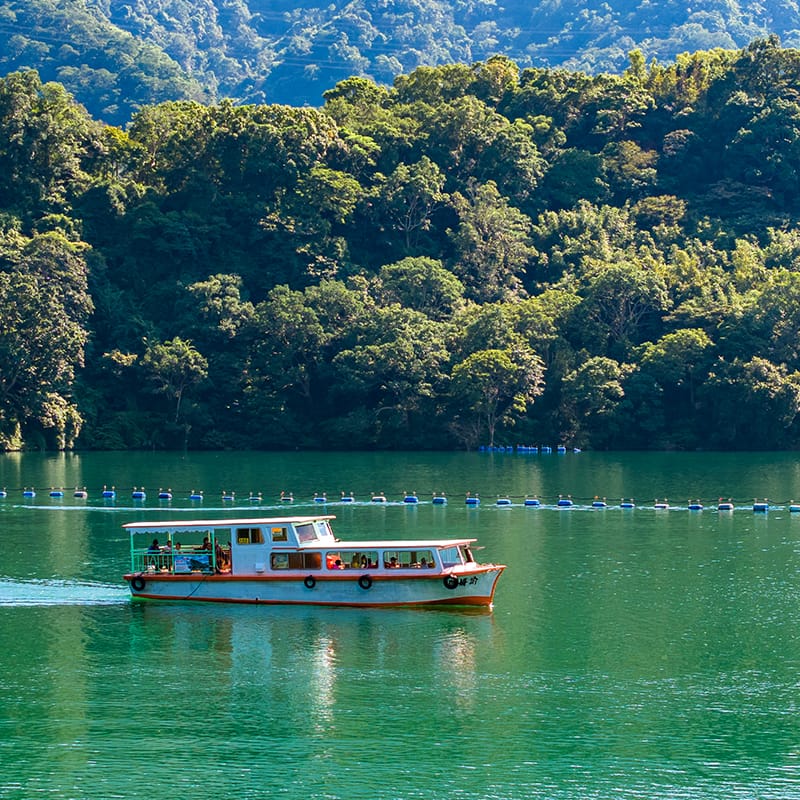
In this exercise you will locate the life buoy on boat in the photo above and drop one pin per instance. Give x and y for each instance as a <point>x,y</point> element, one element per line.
<point>365,582</point>
<point>137,583</point>
<point>450,581</point>
<point>310,581</point>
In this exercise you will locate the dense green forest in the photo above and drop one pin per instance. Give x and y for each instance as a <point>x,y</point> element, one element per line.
<point>116,56</point>
<point>480,253</point>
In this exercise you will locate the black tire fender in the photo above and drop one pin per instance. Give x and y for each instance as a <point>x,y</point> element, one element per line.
<point>137,583</point>
<point>309,581</point>
<point>450,581</point>
<point>365,582</point>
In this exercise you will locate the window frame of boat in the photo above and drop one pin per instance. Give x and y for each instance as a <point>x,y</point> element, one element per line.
<point>446,552</point>
<point>283,560</point>
<point>248,536</point>
<point>306,532</point>
<point>347,557</point>
<point>409,559</point>
<point>279,533</point>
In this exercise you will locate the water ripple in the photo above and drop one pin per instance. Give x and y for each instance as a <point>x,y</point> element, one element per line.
<point>53,592</point>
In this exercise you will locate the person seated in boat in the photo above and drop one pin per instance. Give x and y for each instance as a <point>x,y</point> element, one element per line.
<point>392,563</point>
<point>365,562</point>
<point>338,564</point>
<point>206,544</point>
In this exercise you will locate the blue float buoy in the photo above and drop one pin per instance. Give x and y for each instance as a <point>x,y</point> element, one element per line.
<point>533,502</point>
<point>320,498</point>
<point>760,507</point>
<point>503,501</point>
<point>695,505</point>
<point>725,505</point>
<point>228,498</point>
<point>564,502</point>
<point>597,503</point>
<point>109,493</point>
<point>287,498</point>
<point>472,500</point>
<point>81,494</point>
<point>56,493</point>
<point>138,494</point>
<point>196,495</point>
<point>626,504</point>
<point>411,498</point>
<point>439,500</point>
<point>165,495</point>
<point>379,498</point>
<point>28,493</point>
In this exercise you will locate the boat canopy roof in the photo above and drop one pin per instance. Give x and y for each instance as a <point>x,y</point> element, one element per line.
<point>391,544</point>
<point>205,524</point>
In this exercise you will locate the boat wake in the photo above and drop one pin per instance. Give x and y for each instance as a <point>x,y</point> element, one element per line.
<point>60,593</point>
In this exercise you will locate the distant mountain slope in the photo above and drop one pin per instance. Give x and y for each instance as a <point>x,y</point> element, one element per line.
<point>117,54</point>
<point>109,70</point>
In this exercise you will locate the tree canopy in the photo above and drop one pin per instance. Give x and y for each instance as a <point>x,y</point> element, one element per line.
<point>480,253</point>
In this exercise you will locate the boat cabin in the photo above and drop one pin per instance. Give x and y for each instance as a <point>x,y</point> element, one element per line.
<point>278,545</point>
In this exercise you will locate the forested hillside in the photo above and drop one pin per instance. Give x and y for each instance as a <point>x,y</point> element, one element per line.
<point>115,56</point>
<point>477,253</point>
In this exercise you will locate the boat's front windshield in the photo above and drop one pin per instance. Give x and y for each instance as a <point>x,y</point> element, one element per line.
<point>456,555</point>
<point>306,532</point>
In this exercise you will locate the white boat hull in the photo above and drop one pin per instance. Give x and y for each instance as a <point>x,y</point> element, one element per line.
<point>469,587</point>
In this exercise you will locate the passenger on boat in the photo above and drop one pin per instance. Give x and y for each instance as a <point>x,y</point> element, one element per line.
<point>154,548</point>
<point>392,563</point>
<point>206,544</point>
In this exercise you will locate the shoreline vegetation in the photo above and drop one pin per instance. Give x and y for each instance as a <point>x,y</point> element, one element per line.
<point>480,254</point>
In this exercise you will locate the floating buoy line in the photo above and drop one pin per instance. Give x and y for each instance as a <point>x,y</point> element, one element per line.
<point>528,449</point>
<point>561,502</point>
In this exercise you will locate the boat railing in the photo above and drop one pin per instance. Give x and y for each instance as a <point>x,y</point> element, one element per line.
<point>179,562</point>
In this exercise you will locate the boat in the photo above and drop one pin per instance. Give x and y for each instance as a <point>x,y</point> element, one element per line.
<point>298,560</point>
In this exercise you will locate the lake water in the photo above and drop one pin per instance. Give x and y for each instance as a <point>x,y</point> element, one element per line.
<point>629,654</point>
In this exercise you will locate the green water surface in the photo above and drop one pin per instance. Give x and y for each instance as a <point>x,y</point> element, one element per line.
<point>630,654</point>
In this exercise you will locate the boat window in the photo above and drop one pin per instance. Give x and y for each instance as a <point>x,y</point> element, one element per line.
<point>279,534</point>
<point>324,529</point>
<point>280,561</point>
<point>305,560</point>
<point>451,556</point>
<point>333,560</point>
<point>306,532</point>
<point>360,559</point>
<point>408,559</point>
<point>249,536</point>
<point>352,559</point>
